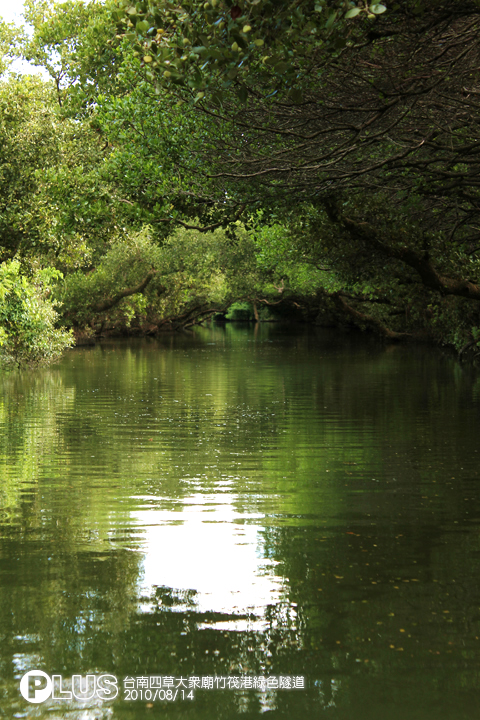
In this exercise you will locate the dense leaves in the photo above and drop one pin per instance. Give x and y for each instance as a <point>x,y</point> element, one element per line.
<point>320,156</point>
<point>217,44</point>
<point>27,317</point>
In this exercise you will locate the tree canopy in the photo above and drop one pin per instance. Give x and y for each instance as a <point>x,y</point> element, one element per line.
<point>326,149</point>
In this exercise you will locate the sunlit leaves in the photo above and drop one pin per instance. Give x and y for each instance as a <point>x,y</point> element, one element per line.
<point>27,317</point>
<point>10,41</point>
<point>223,39</point>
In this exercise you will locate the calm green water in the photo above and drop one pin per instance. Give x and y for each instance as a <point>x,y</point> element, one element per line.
<point>241,503</point>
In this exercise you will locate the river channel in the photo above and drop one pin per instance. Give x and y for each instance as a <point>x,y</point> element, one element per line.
<point>241,521</point>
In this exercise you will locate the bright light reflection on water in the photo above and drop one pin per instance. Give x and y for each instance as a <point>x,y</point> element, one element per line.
<point>207,547</point>
<point>282,503</point>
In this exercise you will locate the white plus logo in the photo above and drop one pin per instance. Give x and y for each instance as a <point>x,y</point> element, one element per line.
<point>36,686</point>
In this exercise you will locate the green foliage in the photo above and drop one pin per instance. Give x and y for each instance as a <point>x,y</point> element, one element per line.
<point>53,201</point>
<point>151,162</point>
<point>214,45</point>
<point>363,269</point>
<point>125,263</point>
<point>240,311</point>
<point>189,157</point>
<point>11,39</point>
<point>28,335</point>
<point>195,275</point>
<point>70,40</point>
<point>185,274</point>
<point>28,142</point>
<point>291,258</point>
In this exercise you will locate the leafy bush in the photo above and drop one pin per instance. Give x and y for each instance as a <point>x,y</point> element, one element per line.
<point>28,335</point>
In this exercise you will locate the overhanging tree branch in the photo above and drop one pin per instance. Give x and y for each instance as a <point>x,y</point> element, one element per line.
<point>368,320</point>
<point>421,263</point>
<point>109,303</point>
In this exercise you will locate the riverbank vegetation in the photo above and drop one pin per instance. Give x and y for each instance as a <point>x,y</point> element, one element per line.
<point>310,160</point>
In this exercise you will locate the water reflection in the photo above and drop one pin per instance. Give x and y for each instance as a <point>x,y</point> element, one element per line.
<point>206,547</point>
<point>230,503</point>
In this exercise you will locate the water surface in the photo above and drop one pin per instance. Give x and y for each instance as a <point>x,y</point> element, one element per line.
<point>244,503</point>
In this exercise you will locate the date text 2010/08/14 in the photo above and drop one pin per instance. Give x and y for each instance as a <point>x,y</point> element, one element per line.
<point>153,694</point>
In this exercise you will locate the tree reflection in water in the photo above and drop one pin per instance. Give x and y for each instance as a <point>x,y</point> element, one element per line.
<point>284,504</point>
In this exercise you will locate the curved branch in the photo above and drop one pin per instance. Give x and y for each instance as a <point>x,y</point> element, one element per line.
<point>421,263</point>
<point>368,320</point>
<point>107,304</point>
